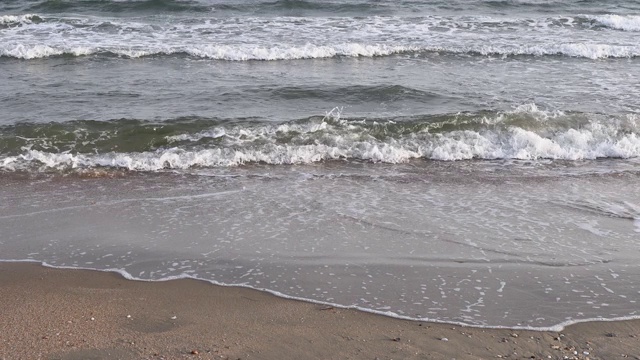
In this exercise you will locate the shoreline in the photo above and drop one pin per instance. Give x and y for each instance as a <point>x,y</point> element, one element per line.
<point>127,276</point>
<point>52,313</point>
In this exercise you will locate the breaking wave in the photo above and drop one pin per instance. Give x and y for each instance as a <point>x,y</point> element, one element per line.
<point>524,133</point>
<point>214,52</point>
<point>619,22</point>
<point>310,51</point>
<point>17,20</point>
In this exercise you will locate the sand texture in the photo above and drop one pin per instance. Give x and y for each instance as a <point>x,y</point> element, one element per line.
<point>76,314</point>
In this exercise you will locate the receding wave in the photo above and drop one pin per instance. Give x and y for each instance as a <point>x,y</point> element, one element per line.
<point>524,133</point>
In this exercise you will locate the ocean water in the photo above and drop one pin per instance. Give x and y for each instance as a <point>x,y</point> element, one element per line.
<point>468,161</point>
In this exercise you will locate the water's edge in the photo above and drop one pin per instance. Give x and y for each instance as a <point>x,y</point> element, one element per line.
<point>556,328</point>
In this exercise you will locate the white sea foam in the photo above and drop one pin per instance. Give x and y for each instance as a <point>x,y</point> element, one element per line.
<point>18,19</point>
<point>619,22</point>
<point>307,51</point>
<point>282,38</point>
<point>310,51</point>
<point>28,52</point>
<point>223,52</point>
<point>584,50</point>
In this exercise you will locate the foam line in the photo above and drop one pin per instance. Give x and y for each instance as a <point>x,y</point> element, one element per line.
<point>128,276</point>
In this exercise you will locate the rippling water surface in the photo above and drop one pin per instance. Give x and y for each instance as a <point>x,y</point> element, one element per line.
<point>464,161</point>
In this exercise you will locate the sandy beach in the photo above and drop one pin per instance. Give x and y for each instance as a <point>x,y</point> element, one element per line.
<point>77,314</point>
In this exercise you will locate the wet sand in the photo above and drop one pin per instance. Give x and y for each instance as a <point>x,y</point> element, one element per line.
<point>77,314</point>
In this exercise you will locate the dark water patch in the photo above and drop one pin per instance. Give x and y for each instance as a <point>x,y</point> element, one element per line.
<point>282,7</point>
<point>306,8</point>
<point>88,136</point>
<point>522,4</point>
<point>54,6</point>
<point>578,6</point>
<point>346,94</point>
<point>370,7</point>
<point>99,6</point>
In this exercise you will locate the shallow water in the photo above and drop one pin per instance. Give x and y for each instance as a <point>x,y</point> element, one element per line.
<point>499,247</point>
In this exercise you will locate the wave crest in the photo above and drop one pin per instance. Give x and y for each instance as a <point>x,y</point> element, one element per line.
<point>310,51</point>
<point>526,133</point>
<point>618,22</point>
<point>17,20</point>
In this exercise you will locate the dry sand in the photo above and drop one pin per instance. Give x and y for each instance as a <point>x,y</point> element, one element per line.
<point>76,314</point>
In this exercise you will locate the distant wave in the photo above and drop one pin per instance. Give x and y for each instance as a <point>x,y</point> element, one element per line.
<point>56,6</point>
<point>525,133</point>
<point>172,6</point>
<point>336,6</point>
<point>31,36</point>
<point>360,7</point>
<point>311,51</point>
<point>15,20</point>
<point>581,50</point>
<point>215,52</point>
